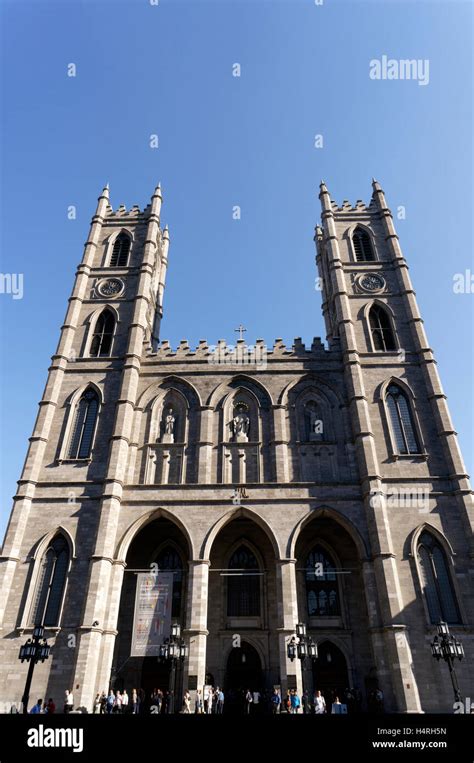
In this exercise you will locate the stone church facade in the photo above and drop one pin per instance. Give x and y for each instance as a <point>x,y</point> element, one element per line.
<point>318,484</point>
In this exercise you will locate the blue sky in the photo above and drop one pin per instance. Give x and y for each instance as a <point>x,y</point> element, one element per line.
<point>166,69</point>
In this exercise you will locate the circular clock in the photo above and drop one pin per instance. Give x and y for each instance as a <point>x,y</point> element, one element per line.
<point>110,287</point>
<point>371,282</point>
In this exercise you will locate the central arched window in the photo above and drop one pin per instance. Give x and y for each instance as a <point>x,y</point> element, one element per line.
<point>103,333</point>
<point>436,581</point>
<point>322,594</point>
<point>169,560</point>
<point>363,249</point>
<point>401,419</point>
<point>51,582</point>
<point>381,329</point>
<point>84,424</point>
<point>120,251</point>
<point>243,584</point>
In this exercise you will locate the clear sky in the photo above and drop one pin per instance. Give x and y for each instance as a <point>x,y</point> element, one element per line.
<point>167,69</point>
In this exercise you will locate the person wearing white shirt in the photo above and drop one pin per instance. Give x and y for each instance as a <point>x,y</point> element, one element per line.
<point>68,701</point>
<point>319,703</point>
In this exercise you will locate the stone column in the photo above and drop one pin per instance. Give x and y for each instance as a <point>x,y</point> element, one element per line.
<point>196,631</point>
<point>109,632</point>
<point>280,444</point>
<point>390,644</point>
<point>205,446</point>
<point>290,672</point>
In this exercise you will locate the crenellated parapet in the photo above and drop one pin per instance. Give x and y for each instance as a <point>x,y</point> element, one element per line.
<point>224,352</point>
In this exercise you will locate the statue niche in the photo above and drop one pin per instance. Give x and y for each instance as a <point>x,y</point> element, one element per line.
<point>240,424</point>
<point>168,424</point>
<point>314,423</point>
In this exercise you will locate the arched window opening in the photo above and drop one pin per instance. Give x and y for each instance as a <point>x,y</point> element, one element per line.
<point>51,582</point>
<point>243,584</point>
<point>363,248</point>
<point>322,593</point>
<point>83,429</point>
<point>401,419</point>
<point>103,333</point>
<point>169,560</point>
<point>120,251</point>
<point>436,581</point>
<point>382,334</point>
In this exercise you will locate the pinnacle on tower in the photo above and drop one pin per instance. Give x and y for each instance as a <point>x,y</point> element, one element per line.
<point>156,200</point>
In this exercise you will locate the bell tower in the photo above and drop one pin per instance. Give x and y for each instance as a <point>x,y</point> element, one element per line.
<point>401,426</point>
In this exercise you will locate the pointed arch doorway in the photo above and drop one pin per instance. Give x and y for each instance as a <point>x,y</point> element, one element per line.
<point>330,673</point>
<point>243,671</point>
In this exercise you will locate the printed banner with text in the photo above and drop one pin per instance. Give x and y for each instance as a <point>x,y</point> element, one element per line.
<point>152,618</point>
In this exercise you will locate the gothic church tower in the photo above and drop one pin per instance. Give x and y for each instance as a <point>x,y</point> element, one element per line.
<point>267,485</point>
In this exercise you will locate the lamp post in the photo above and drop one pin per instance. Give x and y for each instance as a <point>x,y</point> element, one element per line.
<point>174,650</point>
<point>446,646</point>
<point>34,650</point>
<point>302,646</point>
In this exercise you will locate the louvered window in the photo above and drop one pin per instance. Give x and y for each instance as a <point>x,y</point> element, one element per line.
<point>50,585</point>
<point>103,334</point>
<point>382,334</point>
<point>401,419</point>
<point>85,419</point>
<point>436,581</point>
<point>120,251</point>
<point>363,248</point>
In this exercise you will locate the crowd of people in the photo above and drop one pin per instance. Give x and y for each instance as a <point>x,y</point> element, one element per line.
<point>49,707</point>
<point>212,700</point>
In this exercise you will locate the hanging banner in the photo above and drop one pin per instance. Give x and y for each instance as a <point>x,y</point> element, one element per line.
<point>152,618</point>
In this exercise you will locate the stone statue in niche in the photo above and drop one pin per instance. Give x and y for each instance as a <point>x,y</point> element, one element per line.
<point>168,426</point>
<point>240,424</point>
<point>316,429</point>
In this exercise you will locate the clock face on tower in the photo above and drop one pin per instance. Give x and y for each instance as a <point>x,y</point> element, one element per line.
<point>110,287</point>
<point>371,282</point>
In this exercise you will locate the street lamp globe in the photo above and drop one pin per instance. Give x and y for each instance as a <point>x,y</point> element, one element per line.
<point>459,649</point>
<point>312,650</point>
<point>300,630</point>
<point>291,649</point>
<point>443,629</point>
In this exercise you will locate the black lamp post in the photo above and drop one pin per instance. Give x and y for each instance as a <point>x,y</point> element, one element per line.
<point>446,646</point>
<point>173,649</point>
<point>302,646</point>
<point>34,650</point>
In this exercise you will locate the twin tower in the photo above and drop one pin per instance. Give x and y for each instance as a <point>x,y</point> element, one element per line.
<point>319,484</point>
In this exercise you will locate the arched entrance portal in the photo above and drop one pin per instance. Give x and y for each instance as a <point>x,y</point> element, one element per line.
<point>155,675</point>
<point>243,671</point>
<point>160,545</point>
<point>330,672</point>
